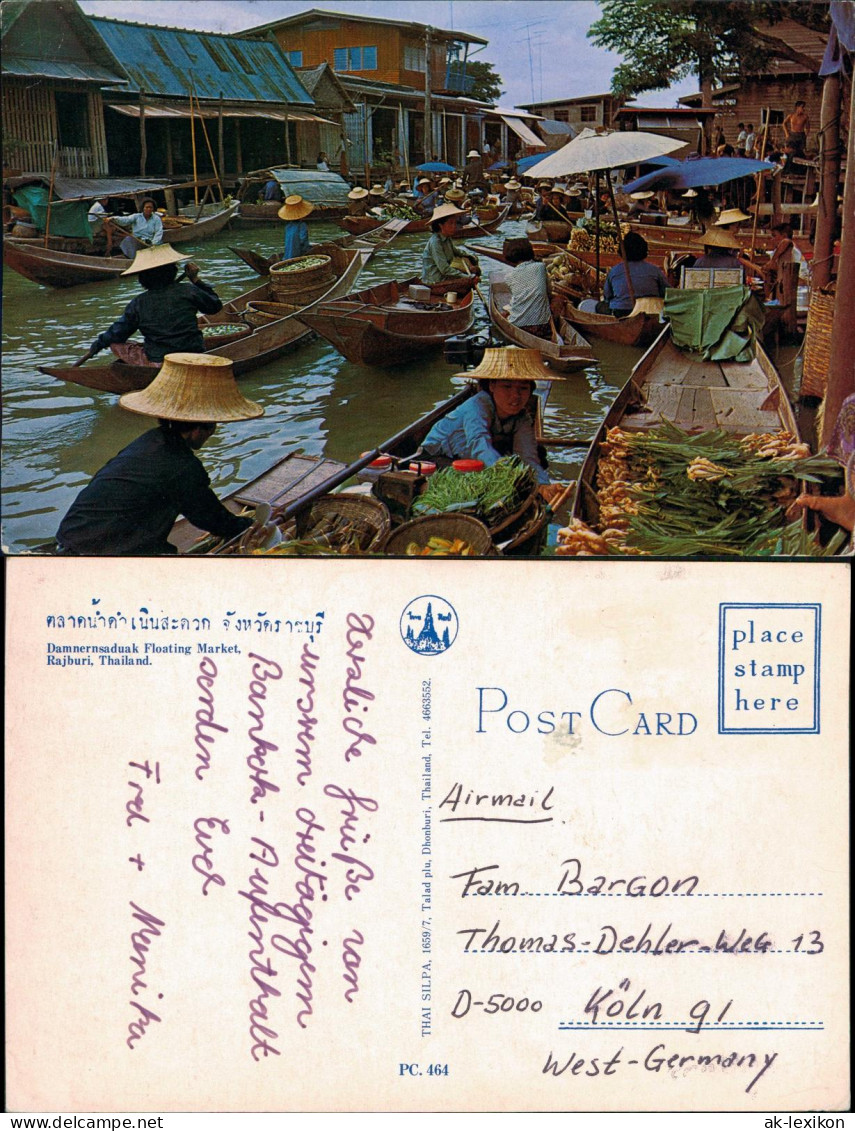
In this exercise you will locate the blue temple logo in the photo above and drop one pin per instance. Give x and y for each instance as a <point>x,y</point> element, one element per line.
<point>429,625</point>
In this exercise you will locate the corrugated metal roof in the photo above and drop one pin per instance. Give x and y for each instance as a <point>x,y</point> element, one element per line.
<point>316,186</point>
<point>165,61</point>
<point>52,69</point>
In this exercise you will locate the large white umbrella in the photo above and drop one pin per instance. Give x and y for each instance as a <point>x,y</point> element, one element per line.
<point>595,150</point>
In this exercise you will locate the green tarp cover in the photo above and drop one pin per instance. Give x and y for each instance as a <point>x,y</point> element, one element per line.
<point>721,323</point>
<point>67,218</point>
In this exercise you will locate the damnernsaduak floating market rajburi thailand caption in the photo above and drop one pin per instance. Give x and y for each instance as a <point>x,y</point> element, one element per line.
<point>420,294</point>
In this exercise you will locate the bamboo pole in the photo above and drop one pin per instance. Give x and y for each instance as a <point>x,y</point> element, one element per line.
<point>143,144</point>
<point>208,144</point>
<point>193,147</point>
<point>50,190</point>
<point>220,145</point>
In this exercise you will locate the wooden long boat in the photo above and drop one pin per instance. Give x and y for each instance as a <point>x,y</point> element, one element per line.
<point>52,267</point>
<point>382,326</point>
<point>371,242</point>
<point>262,345</point>
<point>635,330</point>
<point>565,353</point>
<point>362,225</point>
<point>202,228</point>
<point>697,396</point>
<point>296,481</point>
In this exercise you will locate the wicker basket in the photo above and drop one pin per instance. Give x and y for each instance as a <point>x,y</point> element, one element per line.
<point>335,524</point>
<point>528,536</point>
<point>229,332</point>
<point>300,296</point>
<point>288,274</point>
<point>451,526</point>
<point>261,313</point>
<point>817,344</point>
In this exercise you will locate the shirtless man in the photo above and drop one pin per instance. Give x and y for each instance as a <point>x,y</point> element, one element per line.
<point>796,126</point>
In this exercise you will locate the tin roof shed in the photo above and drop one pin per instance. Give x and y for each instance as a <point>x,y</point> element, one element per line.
<point>174,62</point>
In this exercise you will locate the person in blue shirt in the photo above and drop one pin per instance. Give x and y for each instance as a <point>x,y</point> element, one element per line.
<point>500,419</point>
<point>647,280</point>
<point>294,212</point>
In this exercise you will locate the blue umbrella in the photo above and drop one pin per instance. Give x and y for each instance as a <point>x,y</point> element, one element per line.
<point>697,171</point>
<point>435,167</point>
<point>526,163</point>
<point>492,168</point>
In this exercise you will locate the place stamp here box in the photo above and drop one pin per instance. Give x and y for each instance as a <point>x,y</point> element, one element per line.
<point>769,668</point>
<point>373,835</point>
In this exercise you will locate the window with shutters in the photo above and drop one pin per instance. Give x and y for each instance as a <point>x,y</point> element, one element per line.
<point>415,59</point>
<point>295,58</point>
<point>355,59</point>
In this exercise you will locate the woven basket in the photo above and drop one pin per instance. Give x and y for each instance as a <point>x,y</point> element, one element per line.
<point>817,344</point>
<point>261,313</point>
<point>529,535</point>
<point>301,295</point>
<point>451,526</point>
<point>342,520</point>
<point>287,273</point>
<point>230,332</point>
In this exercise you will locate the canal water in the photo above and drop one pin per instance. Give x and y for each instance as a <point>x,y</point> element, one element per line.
<point>56,435</point>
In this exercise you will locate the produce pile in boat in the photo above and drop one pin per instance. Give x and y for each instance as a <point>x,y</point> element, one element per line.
<point>437,547</point>
<point>668,492</point>
<point>490,495</point>
<point>400,212</point>
<point>584,236</point>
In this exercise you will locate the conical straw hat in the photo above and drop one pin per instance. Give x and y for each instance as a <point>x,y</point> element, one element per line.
<point>149,257</point>
<point>446,210</point>
<point>295,208</point>
<point>194,387</point>
<point>731,216</point>
<point>511,363</point>
<point>716,237</point>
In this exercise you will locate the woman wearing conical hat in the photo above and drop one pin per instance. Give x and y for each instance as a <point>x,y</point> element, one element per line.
<point>441,259</point>
<point>499,420</point>
<point>296,239</point>
<point>165,314</point>
<point>132,503</point>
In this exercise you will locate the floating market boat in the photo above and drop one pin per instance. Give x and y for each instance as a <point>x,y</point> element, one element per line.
<point>296,481</point>
<point>256,346</point>
<point>726,400</point>
<point>52,267</point>
<point>565,352</point>
<point>360,225</point>
<point>637,329</point>
<point>384,326</point>
<point>373,241</point>
<point>363,225</point>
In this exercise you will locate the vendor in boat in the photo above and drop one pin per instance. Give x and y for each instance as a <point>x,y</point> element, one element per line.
<point>146,228</point>
<point>273,191</point>
<point>441,259</point>
<point>132,503</point>
<point>357,201</point>
<point>839,509</point>
<point>784,253</point>
<point>500,419</point>
<point>426,197</point>
<point>634,278</point>
<point>529,287</point>
<point>166,312</point>
<point>296,238</point>
<point>720,249</point>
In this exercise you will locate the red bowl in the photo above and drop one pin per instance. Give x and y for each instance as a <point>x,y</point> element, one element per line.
<point>468,465</point>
